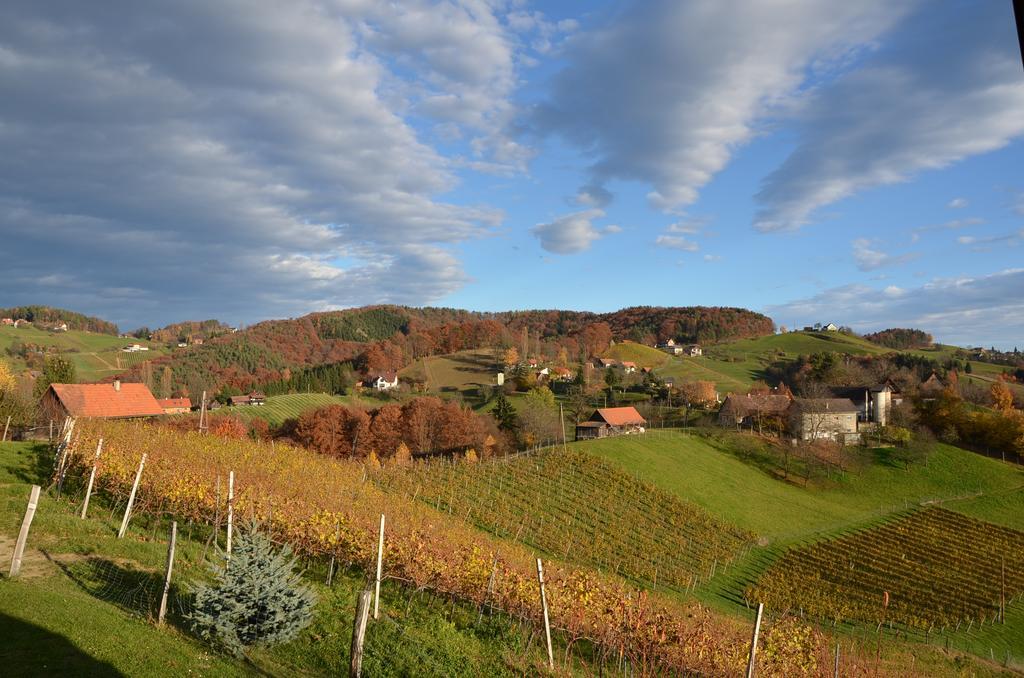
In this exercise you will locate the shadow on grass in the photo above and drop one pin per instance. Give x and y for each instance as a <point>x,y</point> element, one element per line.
<point>39,469</point>
<point>30,650</point>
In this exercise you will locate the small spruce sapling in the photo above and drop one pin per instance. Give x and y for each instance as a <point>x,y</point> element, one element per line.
<point>255,599</point>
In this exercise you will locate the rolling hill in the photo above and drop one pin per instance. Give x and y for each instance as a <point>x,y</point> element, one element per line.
<point>94,355</point>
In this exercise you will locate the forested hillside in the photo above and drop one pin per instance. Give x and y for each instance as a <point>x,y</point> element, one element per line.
<point>51,315</point>
<point>375,339</point>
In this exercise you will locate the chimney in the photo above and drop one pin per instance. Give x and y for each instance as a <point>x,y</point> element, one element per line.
<point>117,384</point>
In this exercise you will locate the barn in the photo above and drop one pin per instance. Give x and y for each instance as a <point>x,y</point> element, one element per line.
<point>611,421</point>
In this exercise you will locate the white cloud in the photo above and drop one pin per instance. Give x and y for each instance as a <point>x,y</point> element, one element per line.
<point>676,242</point>
<point>667,90</point>
<point>869,258</point>
<point>957,203</point>
<point>712,257</point>
<point>955,310</point>
<point>203,146</point>
<point>571,233</point>
<point>951,90</point>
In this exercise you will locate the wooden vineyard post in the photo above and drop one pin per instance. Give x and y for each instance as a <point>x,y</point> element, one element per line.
<point>51,431</point>
<point>92,478</point>
<point>835,666</point>
<point>380,562</point>
<point>544,608</point>
<point>131,499</point>
<point>167,575</point>
<point>561,420</point>
<point>19,546</point>
<point>753,641</point>
<point>359,633</point>
<point>202,413</point>
<point>490,590</point>
<point>231,511</point>
<point>7,426</point>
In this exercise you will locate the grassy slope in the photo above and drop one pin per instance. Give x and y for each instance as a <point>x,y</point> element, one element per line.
<point>94,355</point>
<point>457,372</point>
<point>786,513</point>
<point>698,470</point>
<point>643,356</point>
<point>733,366</point>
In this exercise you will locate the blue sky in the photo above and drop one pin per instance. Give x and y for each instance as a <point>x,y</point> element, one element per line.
<point>859,163</point>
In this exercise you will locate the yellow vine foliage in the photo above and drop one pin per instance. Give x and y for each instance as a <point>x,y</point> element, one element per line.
<point>326,506</point>
<point>7,382</point>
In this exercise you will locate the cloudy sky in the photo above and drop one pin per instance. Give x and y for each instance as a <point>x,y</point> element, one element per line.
<point>860,163</point>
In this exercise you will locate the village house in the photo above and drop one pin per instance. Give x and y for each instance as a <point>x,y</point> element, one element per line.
<point>254,398</point>
<point>532,362</point>
<point>611,421</point>
<point>694,351</point>
<point>175,405</point>
<point>605,363</point>
<point>824,419</point>
<point>386,381</point>
<point>628,366</point>
<point>671,347</point>
<point>134,348</point>
<point>830,327</point>
<point>874,403</point>
<point>562,373</point>
<point>753,410</point>
<point>6,321</point>
<point>116,400</point>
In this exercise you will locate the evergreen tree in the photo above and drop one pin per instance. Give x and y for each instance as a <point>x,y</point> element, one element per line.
<point>504,413</point>
<point>968,369</point>
<point>256,598</point>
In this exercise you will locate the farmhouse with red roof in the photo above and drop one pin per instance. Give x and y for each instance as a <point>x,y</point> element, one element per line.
<point>175,405</point>
<point>103,401</point>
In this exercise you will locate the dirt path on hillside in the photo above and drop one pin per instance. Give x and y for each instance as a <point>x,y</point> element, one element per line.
<point>102,360</point>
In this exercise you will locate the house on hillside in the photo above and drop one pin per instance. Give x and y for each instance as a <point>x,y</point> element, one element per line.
<point>753,410</point>
<point>628,366</point>
<point>135,348</point>
<point>6,321</point>
<point>611,421</point>
<point>605,363</point>
<point>830,327</point>
<point>874,403</point>
<point>253,398</point>
<point>102,401</point>
<point>21,322</point>
<point>694,351</point>
<point>562,373</point>
<point>386,381</point>
<point>175,405</point>
<point>532,363</point>
<point>824,419</point>
<point>671,347</point>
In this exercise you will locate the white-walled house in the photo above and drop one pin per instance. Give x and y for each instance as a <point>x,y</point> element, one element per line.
<point>386,381</point>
